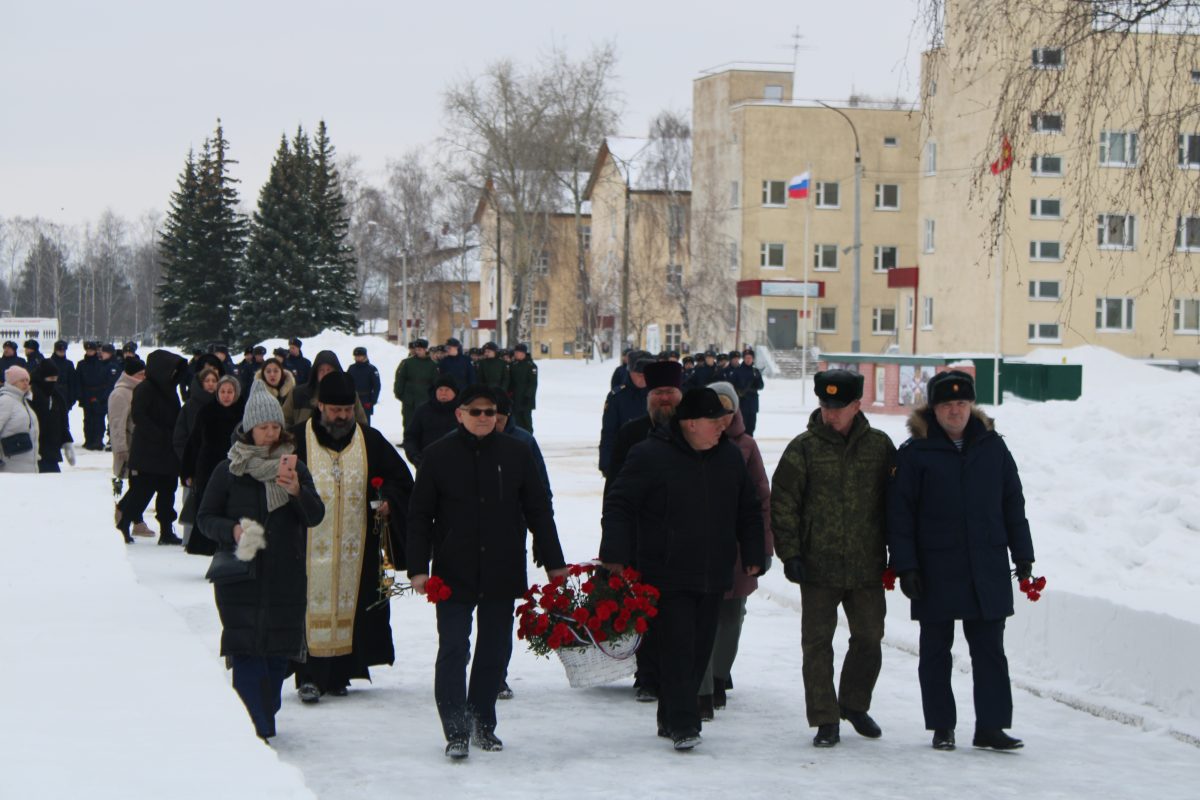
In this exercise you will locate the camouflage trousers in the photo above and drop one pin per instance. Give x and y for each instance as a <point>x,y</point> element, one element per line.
<point>864,609</point>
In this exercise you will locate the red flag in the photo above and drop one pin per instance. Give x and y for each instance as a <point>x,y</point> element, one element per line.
<point>1006,157</point>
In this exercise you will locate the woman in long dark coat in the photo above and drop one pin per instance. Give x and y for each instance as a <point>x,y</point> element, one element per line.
<point>262,615</point>
<point>212,434</point>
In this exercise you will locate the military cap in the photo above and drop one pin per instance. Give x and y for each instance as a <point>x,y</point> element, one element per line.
<point>31,344</point>
<point>259,350</point>
<point>953,384</point>
<point>521,348</point>
<point>422,343</point>
<point>360,351</point>
<point>838,388</point>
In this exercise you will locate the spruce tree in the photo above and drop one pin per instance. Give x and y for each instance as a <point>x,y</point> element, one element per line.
<point>337,271</point>
<point>179,283</point>
<point>277,296</point>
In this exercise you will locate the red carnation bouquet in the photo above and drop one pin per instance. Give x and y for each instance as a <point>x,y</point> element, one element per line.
<point>889,579</point>
<point>1033,587</point>
<point>435,589</point>
<point>585,609</point>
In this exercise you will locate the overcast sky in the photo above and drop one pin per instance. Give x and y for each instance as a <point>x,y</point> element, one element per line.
<point>100,100</point>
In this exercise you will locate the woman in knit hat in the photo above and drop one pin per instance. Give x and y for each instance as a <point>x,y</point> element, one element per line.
<point>258,506</point>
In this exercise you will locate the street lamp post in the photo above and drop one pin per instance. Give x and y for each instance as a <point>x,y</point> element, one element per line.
<point>856,311</point>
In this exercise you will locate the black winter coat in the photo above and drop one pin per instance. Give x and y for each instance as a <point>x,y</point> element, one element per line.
<point>51,412</point>
<point>263,616</point>
<point>300,367</point>
<point>956,517</point>
<point>460,368</point>
<point>681,515</point>
<point>631,433</point>
<point>429,423</point>
<point>469,511</point>
<point>96,380</point>
<point>207,446</point>
<point>367,383</point>
<point>154,410</point>
<point>620,407</point>
<point>68,381</point>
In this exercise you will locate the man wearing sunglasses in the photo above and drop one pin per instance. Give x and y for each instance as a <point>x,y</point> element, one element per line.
<point>476,493</point>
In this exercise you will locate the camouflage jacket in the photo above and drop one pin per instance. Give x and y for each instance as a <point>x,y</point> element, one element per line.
<point>828,503</point>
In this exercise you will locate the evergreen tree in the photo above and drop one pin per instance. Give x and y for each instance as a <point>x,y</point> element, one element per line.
<point>278,296</point>
<point>203,244</point>
<point>337,272</point>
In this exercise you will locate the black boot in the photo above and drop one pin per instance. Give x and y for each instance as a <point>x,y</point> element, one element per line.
<point>484,737</point>
<point>719,698</point>
<point>457,749</point>
<point>123,526</point>
<point>862,722</point>
<point>309,693</point>
<point>995,739</point>
<point>943,739</point>
<point>704,706</point>
<point>827,735</point>
<point>167,535</point>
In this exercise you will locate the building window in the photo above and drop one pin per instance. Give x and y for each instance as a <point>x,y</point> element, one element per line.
<point>774,194</point>
<point>541,264</point>
<point>828,195</point>
<point>585,234</point>
<point>827,319</point>
<point>887,197</point>
<point>1187,234</point>
<point>1115,231</point>
<point>930,230</point>
<point>674,277</point>
<point>1196,76</point>
<point>460,303</point>
<point>1043,122</point>
<point>885,257</point>
<point>568,348</point>
<point>770,255</point>
<point>735,197</point>
<point>1187,315</point>
<point>909,309</point>
<point>733,257</point>
<point>1045,251</point>
<point>883,321</point>
<point>1045,290</point>
<point>673,336</point>
<point>1114,313</point>
<point>1118,149</point>
<point>541,312</point>
<point>891,141</point>
<point>1047,166</point>
<point>927,313</point>
<point>931,158</point>
<point>1189,150</point>
<point>825,256</point>
<point>1044,333</point>
<point>1047,58</point>
<point>773,91</point>
<point>1045,208</point>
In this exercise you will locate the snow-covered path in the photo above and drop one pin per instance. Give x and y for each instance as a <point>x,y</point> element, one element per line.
<point>87,689</point>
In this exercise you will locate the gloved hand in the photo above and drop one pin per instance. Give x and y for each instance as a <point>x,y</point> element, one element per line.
<point>68,451</point>
<point>911,585</point>
<point>766,565</point>
<point>1024,570</point>
<point>793,569</point>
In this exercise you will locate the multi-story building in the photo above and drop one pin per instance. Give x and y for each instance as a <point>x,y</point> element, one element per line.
<point>750,137</point>
<point>1084,253</point>
<point>640,194</point>
<point>553,313</point>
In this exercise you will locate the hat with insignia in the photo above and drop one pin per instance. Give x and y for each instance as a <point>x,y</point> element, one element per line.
<point>838,388</point>
<point>953,384</point>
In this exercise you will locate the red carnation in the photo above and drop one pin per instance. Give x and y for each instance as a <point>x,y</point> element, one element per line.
<point>889,579</point>
<point>588,587</point>
<point>620,625</point>
<point>581,615</point>
<point>640,625</point>
<point>377,483</point>
<point>614,582</point>
<point>436,590</point>
<point>1033,595</point>
<point>1040,583</point>
<point>630,574</point>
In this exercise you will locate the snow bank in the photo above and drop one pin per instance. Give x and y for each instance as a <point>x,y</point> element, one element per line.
<point>106,689</point>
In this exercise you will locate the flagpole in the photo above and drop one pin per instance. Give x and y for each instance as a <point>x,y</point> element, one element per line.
<point>807,325</point>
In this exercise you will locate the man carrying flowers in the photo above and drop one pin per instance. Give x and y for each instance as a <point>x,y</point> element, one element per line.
<point>476,492</point>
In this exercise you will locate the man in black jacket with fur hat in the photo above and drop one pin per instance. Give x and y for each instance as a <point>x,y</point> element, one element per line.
<point>686,547</point>
<point>476,493</point>
<point>956,511</point>
<point>345,635</point>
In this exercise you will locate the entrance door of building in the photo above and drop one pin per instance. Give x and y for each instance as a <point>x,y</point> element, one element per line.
<point>782,324</point>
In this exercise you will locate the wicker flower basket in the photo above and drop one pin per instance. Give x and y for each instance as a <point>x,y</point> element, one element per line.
<point>598,664</point>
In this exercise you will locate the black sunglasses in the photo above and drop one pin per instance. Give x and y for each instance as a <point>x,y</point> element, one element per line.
<point>487,412</point>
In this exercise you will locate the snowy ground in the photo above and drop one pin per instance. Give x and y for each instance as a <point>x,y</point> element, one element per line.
<point>115,688</point>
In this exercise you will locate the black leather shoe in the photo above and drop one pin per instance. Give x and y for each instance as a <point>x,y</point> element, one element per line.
<point>863,724</point>
<point>339,691</point>
<point>309,693</point>
<point>827,735</point>
<point>457,749</point>
<point>686,740</point>
<point>505,692</point>
<point>995,739</point>
<point>645,694</point>
<point>943,739</point>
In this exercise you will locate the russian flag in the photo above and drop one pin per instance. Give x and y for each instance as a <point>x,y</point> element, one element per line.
<point>798,186</point>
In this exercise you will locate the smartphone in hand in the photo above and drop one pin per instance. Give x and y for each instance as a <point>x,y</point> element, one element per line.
<point>287,464</point>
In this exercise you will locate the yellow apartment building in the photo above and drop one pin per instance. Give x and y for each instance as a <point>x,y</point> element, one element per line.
<point>750,138</point>
<point>1083,256</point>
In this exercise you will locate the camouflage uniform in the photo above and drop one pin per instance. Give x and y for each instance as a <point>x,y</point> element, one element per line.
<point>828,507</point>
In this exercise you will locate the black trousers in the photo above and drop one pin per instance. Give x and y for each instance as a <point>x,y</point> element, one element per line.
<point>458,704</point>
<point>685,629</point>
<point>94,425</point>
<point>750,417</point>
<point>989,670</point>
<point>259,682</point>
<point>143,486</point>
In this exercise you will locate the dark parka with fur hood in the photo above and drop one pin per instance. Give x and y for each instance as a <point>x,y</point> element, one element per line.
<point>956,517</point>
<point>829,503</point>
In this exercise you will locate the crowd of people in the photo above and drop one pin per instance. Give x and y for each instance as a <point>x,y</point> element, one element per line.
<point>301,503</point>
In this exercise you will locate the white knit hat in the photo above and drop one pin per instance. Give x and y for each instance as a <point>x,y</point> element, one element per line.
<point>261,407</point>
<point>725,389</point>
